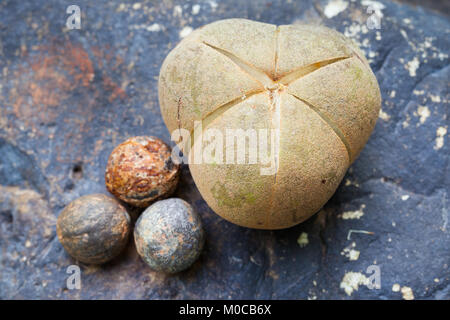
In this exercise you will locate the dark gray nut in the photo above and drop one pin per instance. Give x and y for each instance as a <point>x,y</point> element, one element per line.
<point>169,235</point>
<point>94,228</point>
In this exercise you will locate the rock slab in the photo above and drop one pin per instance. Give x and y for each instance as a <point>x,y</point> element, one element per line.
<point>68,97</point>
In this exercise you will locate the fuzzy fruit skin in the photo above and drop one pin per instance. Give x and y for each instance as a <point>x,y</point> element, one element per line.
<point>169,235</point>
<point>140,171</point>
<point>311,83</point>
<point>94,228</point>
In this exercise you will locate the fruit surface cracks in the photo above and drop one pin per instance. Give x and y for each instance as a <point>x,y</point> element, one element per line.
<point>309,82</point>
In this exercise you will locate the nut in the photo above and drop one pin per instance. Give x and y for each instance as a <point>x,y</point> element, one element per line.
<point>169,235</point>
<point>140,170</point>
<point>308,87</point>
<point>93,229</point>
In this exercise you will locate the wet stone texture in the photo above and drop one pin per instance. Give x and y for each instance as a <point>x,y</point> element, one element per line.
<point>68,97</point>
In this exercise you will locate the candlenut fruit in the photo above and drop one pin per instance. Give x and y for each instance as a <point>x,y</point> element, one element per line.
<point>169,235</point>
<point>94,228</point>
<point>307,90</point>
<point>140,171</point>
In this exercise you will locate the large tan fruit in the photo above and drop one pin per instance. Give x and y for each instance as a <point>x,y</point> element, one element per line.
<point>309,82</point>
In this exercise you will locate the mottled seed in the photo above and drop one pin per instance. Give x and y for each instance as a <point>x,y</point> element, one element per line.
<point>169,235</point>
<point>140,171</point>
<point>94,228</point>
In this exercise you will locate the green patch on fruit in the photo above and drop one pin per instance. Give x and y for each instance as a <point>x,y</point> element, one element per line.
<point>193,83</point>
<point>357,72</point>
<point>224,198</point>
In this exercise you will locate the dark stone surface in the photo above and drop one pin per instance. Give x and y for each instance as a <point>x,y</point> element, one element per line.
<point>68,97</point>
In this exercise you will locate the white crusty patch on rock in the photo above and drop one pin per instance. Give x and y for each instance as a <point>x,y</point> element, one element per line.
<point>213,5</point>
<point>384,116</point>
<point>412,66</point>
<point>423,112</point>
<point>185,31</point>
<point>334,7</point>
<point>442,56</point>
<point>349,182</point>
<point>378,36</point>
<point>154,28</point>
<point>435,98</point>
<point>440,134</point>
<point>303,240</point>
<point>350,252</point>
<point>177,11</point>
<point>195,9</point>
<point>353,214</point>
<point>407,293</point>
<point>376,6</point>
<point>423,49</point>
<point>354,32</point>
<point>352,281</point>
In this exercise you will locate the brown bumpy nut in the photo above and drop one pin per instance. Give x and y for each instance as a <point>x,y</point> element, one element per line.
<point>94,228</point>
<point>140,171</point>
